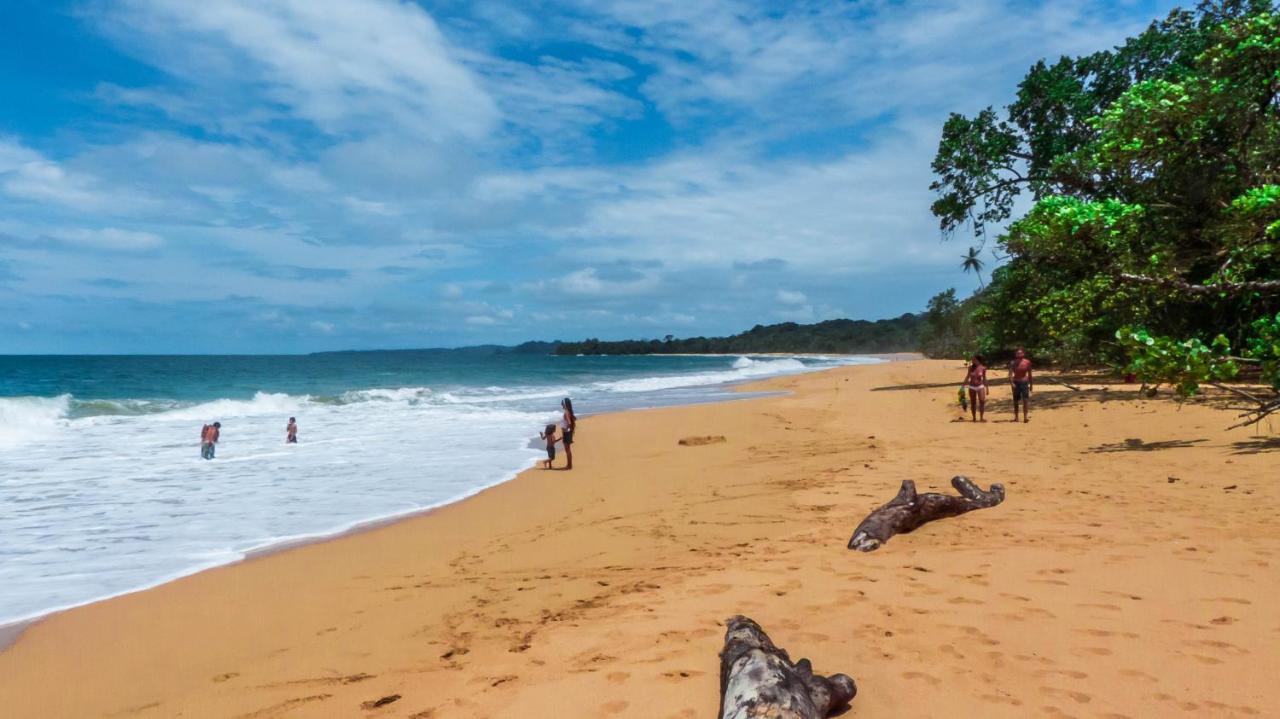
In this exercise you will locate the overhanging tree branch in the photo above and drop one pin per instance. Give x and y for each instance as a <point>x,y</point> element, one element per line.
<point>1231,288</point>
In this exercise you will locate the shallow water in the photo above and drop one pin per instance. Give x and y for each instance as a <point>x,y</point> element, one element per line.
<point>102,489</point>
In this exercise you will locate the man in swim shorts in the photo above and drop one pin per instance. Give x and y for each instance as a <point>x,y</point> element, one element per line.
<point>208,439</point>
<point>1020,378</point>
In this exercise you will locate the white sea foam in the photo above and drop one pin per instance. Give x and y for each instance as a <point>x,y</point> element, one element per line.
<point>743,368</point>
<point>263,403</point>
<point>102,497</point>
<point>23,419</point>
<point>398,394</point>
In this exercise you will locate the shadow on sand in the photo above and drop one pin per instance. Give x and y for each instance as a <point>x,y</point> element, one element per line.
<point>1137,445</point>
<point>1256,446</point>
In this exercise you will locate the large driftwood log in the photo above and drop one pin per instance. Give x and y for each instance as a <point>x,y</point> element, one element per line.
<point>909,510</point>
<point>757,679</point>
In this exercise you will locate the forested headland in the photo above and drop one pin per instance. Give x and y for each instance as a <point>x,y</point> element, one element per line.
<point>900,334</point>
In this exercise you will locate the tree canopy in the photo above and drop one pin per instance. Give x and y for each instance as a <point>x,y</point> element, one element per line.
<point>1155,173</point>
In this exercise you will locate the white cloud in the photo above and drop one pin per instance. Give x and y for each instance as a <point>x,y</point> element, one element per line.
<point>636,165</point>
<point>588,283</point>
<point>340,64</point>
<point>14,155</point>
<point>27,175</point>
<point>323,327</point>
<point>111,238</point>
<point>788,297</point>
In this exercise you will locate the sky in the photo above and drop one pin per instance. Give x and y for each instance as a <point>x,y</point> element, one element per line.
<point>260,176</point>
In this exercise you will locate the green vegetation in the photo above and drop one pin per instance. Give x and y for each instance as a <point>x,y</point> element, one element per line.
<point>948,327</point>
<point>901,334</point>
<point>1154,240</point>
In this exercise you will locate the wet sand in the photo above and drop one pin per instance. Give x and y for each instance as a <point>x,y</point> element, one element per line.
<point>1132,572</point>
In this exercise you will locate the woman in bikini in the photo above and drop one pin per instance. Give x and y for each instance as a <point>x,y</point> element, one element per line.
<point>975,379</point>
<point>568,423</point>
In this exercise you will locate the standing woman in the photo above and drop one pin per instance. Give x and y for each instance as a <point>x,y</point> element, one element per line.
<point>567,424</point>
<point>975,380</point>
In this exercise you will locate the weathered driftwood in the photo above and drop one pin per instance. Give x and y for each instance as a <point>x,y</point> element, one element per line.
<point>909,510</point>
<point>757,679</point>
<point>1069,386</point>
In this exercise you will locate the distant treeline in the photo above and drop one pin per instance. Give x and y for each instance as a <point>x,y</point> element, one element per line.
<point>900,334</point>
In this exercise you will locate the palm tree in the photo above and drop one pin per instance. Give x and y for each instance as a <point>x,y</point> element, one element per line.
<point>972,262</point>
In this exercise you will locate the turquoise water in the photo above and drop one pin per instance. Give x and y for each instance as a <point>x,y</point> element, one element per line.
<point>103,491</point>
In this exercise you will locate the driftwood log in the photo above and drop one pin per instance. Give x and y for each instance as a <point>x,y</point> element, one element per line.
<point>758,679</point>
<point>909,510</point>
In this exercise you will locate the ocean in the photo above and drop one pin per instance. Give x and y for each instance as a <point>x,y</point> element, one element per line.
<point>103,491</point>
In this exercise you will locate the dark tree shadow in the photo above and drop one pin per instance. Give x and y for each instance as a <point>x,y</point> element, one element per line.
<point>1256,446</point>
<point>1137,445</point>
<point>895,387</point>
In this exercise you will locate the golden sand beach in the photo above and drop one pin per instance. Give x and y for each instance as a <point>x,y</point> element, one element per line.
<point>1133,571</point>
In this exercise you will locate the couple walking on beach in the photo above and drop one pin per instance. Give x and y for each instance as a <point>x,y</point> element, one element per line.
<point>568,423</point>
<point>975,381</point>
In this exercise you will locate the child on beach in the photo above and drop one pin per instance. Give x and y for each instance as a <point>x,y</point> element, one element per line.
<point>291,431</point>
<point>549,434</point>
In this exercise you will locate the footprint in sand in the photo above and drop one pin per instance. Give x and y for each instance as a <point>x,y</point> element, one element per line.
<point>1228,709</point>
<point>1108,607</point>
<point>1069,673</point>
<point>1001,699</point>
<point>1225,647</point>
<point>614,707</point>
<point>618,677</point>
<point>1055,582</point>
<point>932,680</point>
<point>1107,633</point>
<point>1075,696</point>
<point>224,677</point>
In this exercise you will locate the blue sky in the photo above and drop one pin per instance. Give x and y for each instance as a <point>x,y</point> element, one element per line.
<point>301,175</point>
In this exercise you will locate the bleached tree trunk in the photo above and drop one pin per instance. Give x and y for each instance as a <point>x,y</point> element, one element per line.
<point>909,510</point>
<point>758,679</point>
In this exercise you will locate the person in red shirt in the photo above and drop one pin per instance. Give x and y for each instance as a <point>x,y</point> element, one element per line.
<point>208,439</point>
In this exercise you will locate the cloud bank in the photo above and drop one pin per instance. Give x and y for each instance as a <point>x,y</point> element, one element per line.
<point>299,175</point>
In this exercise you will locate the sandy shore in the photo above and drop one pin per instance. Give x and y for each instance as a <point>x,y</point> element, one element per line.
<point>1132,572</point>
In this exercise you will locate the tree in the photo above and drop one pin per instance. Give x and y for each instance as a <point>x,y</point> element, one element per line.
<point>948,331</point>
<point>1154,241</point>
<point>973,262</point>
<point>984,163</point>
